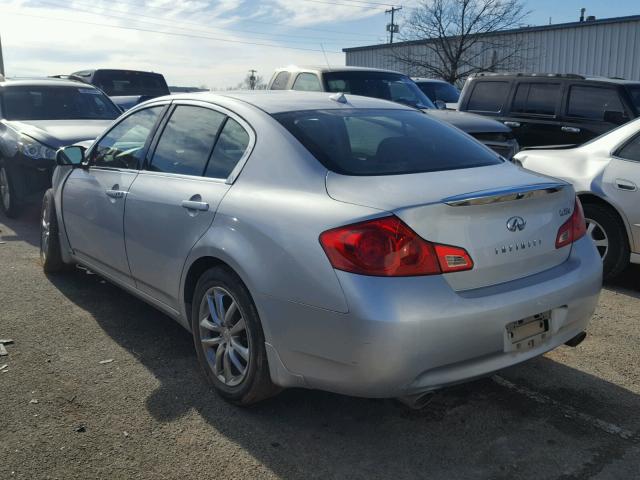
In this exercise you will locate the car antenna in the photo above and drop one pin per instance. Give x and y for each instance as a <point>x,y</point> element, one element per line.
<point>339,97</point>
<point>326,59</point>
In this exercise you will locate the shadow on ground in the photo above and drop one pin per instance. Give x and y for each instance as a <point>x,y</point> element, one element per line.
<point>480,430</point>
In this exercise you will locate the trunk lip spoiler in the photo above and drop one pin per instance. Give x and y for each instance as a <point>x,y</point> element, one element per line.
<point>507,194</point>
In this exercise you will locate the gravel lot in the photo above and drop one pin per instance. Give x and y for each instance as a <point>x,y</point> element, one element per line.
<point>572,414</point>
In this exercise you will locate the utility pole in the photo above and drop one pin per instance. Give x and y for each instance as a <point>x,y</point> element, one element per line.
<point>252,79</point>
<point>1,60</point>
<point>392,27</point>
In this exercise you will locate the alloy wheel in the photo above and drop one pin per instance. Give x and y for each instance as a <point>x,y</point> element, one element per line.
<point>5,193</point>
<point>224,336</point>
<point>45,231</point>
<point>599,237</point>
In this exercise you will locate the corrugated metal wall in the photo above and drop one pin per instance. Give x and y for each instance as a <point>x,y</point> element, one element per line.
<point>607,49</point>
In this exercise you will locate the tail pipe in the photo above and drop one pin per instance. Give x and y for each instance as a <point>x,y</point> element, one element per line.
<point>577,340</point>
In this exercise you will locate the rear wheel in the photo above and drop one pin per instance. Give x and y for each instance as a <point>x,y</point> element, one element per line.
<point>50,253</point>
<point>609,236</point>
<point>228,338</point>
<point>9,202</point>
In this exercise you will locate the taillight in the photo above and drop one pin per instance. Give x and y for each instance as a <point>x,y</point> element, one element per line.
<point>388,247</point>
<point>573,229</point>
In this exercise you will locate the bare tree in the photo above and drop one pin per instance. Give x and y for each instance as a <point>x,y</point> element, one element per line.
<point>452,39</point>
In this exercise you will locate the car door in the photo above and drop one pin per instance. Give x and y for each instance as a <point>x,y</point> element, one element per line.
<point>173,200</point>
<point>94,197</point>
<point>591,110</point>
<point>533,113</point>
<point>622,183</point>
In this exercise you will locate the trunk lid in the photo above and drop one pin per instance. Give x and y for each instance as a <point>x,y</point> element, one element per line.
<point>470,208</point>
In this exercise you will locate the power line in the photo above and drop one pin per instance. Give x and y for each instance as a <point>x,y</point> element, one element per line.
<point>362,2</point>
<point>175,34</point>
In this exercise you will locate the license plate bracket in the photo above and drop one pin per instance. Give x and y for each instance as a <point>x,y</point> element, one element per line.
<point>527,333</point>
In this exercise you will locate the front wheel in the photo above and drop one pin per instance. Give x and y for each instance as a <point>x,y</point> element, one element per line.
<point>610,238</point>
<point>9,202</point>
<point>228,338</point>
<point>50,253</point>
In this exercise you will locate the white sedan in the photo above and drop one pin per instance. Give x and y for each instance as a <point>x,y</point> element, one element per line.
<point>605,173</point>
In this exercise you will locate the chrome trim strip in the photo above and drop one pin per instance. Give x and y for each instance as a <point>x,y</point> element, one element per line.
<point>507,194</point>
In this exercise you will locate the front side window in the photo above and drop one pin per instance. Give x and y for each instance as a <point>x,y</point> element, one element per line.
<point>384,142</point>
<point>440,91</point>
<point>230,148</point>
<point>280,82</point>
<point>123,146</point>
<point>536,98</point>
<point>187,141</point>
<point>307,82</point>
<point>631,151</point>
<point>593,102</point>
<point>56,103</point>
<point>488,97</point>
<point>387,86</point>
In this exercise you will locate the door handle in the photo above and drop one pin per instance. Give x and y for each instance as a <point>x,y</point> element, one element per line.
<point>626,185</point>
<point>512,124</point>
<point>194,205</point>
<point>115,193</point>
<point>570,129</point>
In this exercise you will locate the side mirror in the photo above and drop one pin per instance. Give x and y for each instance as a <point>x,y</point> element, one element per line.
<point>440,104</point>
<point>73,155</point>
<point>617,118</point>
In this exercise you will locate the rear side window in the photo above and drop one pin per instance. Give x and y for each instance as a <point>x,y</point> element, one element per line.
<point>307,82</point>
<point>384,142</point>
<point>536,98</point>
<point>280,82</point>
<point>488,96</point>
<point>230,147</point>
<point>187,141</point>
<point>592,102</point>
<point>631,151</point>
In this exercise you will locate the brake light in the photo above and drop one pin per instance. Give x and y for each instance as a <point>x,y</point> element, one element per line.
<point>573,229</point>
<point>388,247</point>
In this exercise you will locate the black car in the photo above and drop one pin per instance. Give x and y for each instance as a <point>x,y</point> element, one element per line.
<point>126,87</point>
<point>552,109</point>
<point>38,116</point>
<point>397,87</point>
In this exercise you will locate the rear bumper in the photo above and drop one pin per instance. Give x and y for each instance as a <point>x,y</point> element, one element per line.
<point>405,336</point>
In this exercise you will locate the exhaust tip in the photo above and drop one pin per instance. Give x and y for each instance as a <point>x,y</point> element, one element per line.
<point>577,340</point>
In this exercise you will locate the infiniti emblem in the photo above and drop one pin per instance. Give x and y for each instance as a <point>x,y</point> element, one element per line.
<point>516,223</point>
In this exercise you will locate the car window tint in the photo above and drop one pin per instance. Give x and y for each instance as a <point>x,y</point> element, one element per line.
<point>488,96</point>
<point>536,98</point>
<point>631,151</point>
<point>280,82</point>
<point>307,82</point>
<point>593,102</point>
<point>123,146</point>
<point>187,140</point>
<point>384,142</point>
<point>229,149</point>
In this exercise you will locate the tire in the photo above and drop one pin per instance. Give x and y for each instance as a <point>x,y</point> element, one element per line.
<point>603,224</point>
<point>238,379</point>
<point>9,202</point>
<point>50,253</point>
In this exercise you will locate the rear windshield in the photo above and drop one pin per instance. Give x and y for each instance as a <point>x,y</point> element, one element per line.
<point>125,82</point>
<point>384,142</point>
<point>56,103</point>
<point>440,91</point>
<point>387,86</point>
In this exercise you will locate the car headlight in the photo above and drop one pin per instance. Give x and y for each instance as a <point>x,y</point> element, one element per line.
<point>34,149</point>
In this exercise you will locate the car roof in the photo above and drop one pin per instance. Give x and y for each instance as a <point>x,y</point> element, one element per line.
<point>43,82</point>
<point>554,76</point>
<point>278,101</point>
<point>429,80</point>
<point>328,69</point>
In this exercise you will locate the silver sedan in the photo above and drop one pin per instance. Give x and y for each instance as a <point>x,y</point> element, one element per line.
<point>325,241</point>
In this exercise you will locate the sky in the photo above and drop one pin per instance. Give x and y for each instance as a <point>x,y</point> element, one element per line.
<point>214,42</point>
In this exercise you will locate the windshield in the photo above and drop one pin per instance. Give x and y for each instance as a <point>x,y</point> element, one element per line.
<point>127,82</point>
<point>634,92</point>
<point>387,86</point>
<point>57,103</point>
<point>439,91</point>
<point>384,142</point>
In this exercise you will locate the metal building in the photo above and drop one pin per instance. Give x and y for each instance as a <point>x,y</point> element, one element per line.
<point>608,47</point>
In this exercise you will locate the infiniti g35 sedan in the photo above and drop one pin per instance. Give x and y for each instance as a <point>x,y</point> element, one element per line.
<point>324,241</point>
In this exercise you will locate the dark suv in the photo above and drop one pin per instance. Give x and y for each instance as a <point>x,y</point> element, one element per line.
<point>552,109</point>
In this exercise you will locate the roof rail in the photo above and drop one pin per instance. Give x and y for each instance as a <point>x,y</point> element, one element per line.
<point>521,74</point>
